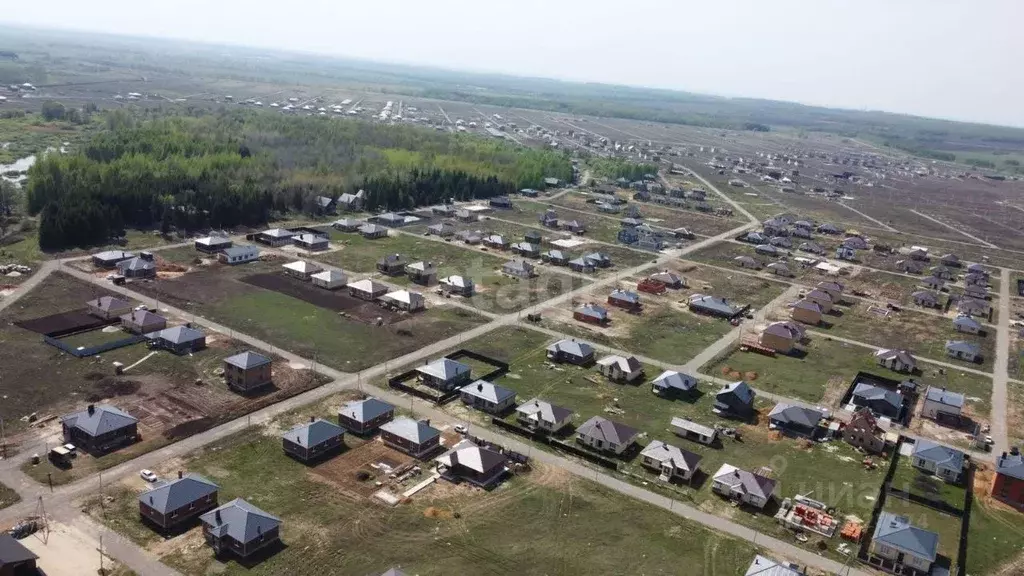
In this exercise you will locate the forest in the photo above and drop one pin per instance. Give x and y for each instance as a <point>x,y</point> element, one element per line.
<point>619,168</point>
<point>224,169</point>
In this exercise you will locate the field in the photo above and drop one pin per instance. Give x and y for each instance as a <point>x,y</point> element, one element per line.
<point>911,480</point>
<point>945,525</point>
<point>559,519</point>
<point>995,536</point>
<point>654,214</point>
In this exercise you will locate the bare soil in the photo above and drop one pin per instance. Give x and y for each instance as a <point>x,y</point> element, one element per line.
<point>338,300</point>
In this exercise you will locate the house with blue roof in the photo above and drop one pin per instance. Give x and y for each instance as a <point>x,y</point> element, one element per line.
<point>239,528</point>
<point>963,350</point>
<point>488,397</point>
<point>900,547</point>
<point>170,505</point>
<point>881,401</point>
<point>313,440</point>
<point>945,462</point>
<point>735,400</point>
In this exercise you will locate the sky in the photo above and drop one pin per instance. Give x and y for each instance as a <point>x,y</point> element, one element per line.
<point>955,59</point>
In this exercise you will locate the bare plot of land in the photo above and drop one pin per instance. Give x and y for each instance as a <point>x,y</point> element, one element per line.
<point>654,214</point>
<point>337,300</point>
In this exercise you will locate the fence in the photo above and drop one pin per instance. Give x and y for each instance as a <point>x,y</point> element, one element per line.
<point>93,350</point>
<point>555,443</point>
<point>500,368</point>
<point>398,383</point>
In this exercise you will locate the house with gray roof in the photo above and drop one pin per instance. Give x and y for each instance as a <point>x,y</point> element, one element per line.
<point>925,298</point>
<point>444,374</point>
<point>543,416</point>
<point>672,462</point>
<point>143,322</point>
<point>591,314</point>
<point>275,237</point>
<point>488,397</point>
<point>1008,486</point>
<point>900,547</point>
<point>811,248</point>
<point>942,405</point>
<point>762,566</point>
<point>442,229</point>
<point>963,350</point>
<point>693,431</point>
<point>973,306</point>
<point>672,384</point>
<point>365,416</point>
<point>714,306</point>
<point>518,269</point>
<point>110,258</point>
<point>456,284</point>
<point>945,462</point>
<point>313,440</point>
<point>469,462</point>
<point>239,255</point>
<point>881,401</point>
<point>175,504</point>
<point>604,435</point>
<point>896,359</point>
<point>247,371</point>
<point>416,438</point>
<point>735,400</point>
<point>138,267</point>
<point>179,339</point>
<point>746,487</point>
<point>669,279</point>
<point>556,257</point>
<point>581,265</point>
<point>372,231</point>
<point>239,528</point>
<point>100,428</point>
<point>571,352</point>
<point>108,307</point>
<point>795,420</point>
<point>967,325</point>
<point>347,224</point>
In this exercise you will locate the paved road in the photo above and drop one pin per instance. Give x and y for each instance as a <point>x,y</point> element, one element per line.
<point>1000,375</point>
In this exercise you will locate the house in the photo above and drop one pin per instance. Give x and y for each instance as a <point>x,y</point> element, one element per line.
<point>301,269</point>
<point>746,487</point>
<point>942,272</point>
<point>175,504</point>
<point>457,285</point>
<point>487,397</point>
<point>671,384</point>
<point>762,566</point>
<point>782,336</point>
<point>963,350</point>
<point>881,401</point>
<point>672,462</point>
<point>714,306</point>
<point>329,279</point>
<point>502,202</point>
<point>1008,485</point>
<point>828,228</point>
<point>630,222</point>
<point>417,438</point>
<point>16,559</point>
<point>571,352</point>
<point>598,259</point>
<point>933,283</point>
<point>552,182</point>
<point>496,241</point>
<point>974,291</point>
<point>347,225</point>
<point>179,339</point>
<point>373,231</point>
<point>526,249</point>
<point>926,298</point>
<point>313,440</point>
<point>754,238</point>
<point>795,420</point>
<point>100,428</point>
<point>942,405</point>
<point>780,242</point>
<point>311,242</point>
<point>897,360</point>
<point>977,269</point>
<point>444,374</point>
<point>855,242</point>
<point>240,528</point>
<point>549,219</point>
<point>390,219</point>
<point>591,314</point>
<point>518,269</point>
<point>846,253</point>
<point>108,307</point>
<point>976,279</point>
<point>391,264</point>
<point>620,369</point>
<point>669,279</point>
<point>239,255</point>
<point>951,260</point>
<point>693,431</point>
<point>973,307</point>
<point>747,262</point>
<point>247,371</point>
<point>143,322</point>
<point>573,226</point>
<point>943,461</point>
<point>605,435</point>
<point>367,289</point>
<point>556,257</point>
<point>110,258</point>
<point>766,249</point>
<point>212,244</point>
<point>463,215</point>
<point>811,248</point>
<point>529,192</point>
<point>275,237</point>
<point>902,548</point>
<point>864,432</point>
<point>581,265</point>
<point>966,324</point>
<point>735,400</point>
<point>625,299</point>
<point>365,416</point>
<point>423,273</point>
<point>807,312</point>
<point>918,254</point>
<point>533,237</point>
<point>543,416</point>
<point>910,266</point>
<point>325,204</point>
<point>466,462</point>
<point>822,298</point>
<point>442,230</point>
<point>779,269</point>
<point>352,202</point>
<point>801,233</point>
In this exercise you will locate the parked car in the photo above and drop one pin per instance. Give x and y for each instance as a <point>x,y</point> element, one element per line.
<point>148,476</point>
<point>461,429</point>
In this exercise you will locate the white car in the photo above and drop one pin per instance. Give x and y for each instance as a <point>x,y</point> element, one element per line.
<point>148,476</point>
<point>461,429</point>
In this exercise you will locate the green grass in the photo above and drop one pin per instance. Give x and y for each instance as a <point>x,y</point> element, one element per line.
<point>560,522</point>
<point>361,255</point>
<point>945,525</point>
<point>995,537</point>
<point>85,465</point>
<point>655,214</point>
<point>8,496</point>
<point>910,479</point>
<point>94,338</point>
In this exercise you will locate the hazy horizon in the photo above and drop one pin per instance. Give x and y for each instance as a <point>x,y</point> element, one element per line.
<point>947,59</point>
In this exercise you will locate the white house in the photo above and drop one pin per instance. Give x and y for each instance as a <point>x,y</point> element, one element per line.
<point>329,279</point>
<point>746,487</point>
<point>541,415</point>
<point>620,369</point>
<point>672,462</point>
<point>899,545</point>
<point>941,404</point>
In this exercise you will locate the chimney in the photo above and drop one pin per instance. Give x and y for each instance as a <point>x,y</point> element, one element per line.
<point>179,474</point>
<point>312,419</point>
<point>216,516</point>
<point>479,387</point>
<point>91,409</point>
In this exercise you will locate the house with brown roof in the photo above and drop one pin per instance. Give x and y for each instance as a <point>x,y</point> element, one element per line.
<point>143,322</point>
<point>897,360</point>
<point>864,432</point>
<point>807,312</point>
<point>108,307</point>
<point>821,298</point>
<point>782,336</point>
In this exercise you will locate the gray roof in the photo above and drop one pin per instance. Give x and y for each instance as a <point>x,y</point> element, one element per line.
<point>1011,465</point>
<point>545,411</point>
<point>593,311</point>
<point>746,481</point>
<point>247,360</point>
<point>740,389</point>
<point>136,264</point>
<point>673,379</point>
<point>412,430</point>
<point>967,321</point>
<point>365,410</point>
<point>762,566</point>
<point>237,251</point>
<point>469,455</point>
<point>104,418</point>
<point>713,303</point>
<point>691,426</point>
<point>607,430</point>
<point>798,415</point>
<point>963,346</point>
<point>173,495</point>
<point>178,334</point>
<point>680,459</point>
<point>107,303</point>
<point>394,572</point>
<point>444,368</point>
<point>625,295</point>
<point>143,317</point>
<point>943,396</point>
<point>488,391</point>
<point>13,552</point>
<point>240,521</point>
<point>278,233</point>
<point>572,347</point>
<point>872,392</point>
<point>113,255</point>
<point>897,531</point>
<point>942,456</point>
<point>371,229</point>
<point>312,433</point>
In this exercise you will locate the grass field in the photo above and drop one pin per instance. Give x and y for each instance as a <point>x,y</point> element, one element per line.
<point>946,526</point>
<point>735,287</point>
<point>560,523</point>
<point>914,481</point>
<point>995,539</point>
<point>361,255</point>
<point>655,214</point>
<point>603,227</point>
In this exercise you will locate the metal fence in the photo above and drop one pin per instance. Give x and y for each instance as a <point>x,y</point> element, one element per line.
<point>93,350</point>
